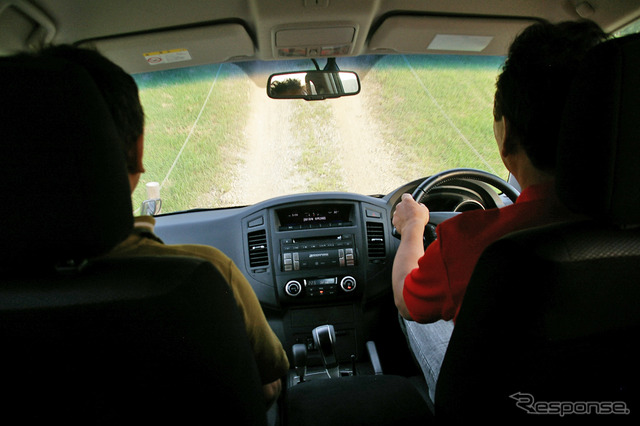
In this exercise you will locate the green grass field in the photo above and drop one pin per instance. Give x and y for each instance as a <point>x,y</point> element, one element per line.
<point>442,112</point>
<point>436,114</point>
<point>191,132</point>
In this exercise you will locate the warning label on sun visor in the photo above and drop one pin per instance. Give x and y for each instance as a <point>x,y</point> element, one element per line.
<point>167,56</point>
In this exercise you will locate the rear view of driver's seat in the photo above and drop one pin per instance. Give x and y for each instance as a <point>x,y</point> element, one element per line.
<point>91,341</point>
<point>550,318</point>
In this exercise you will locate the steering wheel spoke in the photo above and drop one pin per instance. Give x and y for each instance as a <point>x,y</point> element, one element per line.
<point>464,174</point>
<point>436,218</point>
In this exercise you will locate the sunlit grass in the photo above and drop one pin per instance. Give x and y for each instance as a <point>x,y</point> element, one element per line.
<point>441,111</point>
<point>171,112</point>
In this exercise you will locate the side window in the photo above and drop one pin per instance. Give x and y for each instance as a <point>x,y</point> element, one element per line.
<point>632,28</point>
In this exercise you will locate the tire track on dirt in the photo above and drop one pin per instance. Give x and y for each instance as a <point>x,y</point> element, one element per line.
<point>270,165</point>
<point>269,162</point>
<point>368,163</point>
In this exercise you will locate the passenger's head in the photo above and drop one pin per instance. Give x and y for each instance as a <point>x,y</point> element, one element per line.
<point>288,87</point>
<point>120,93</point>
<point>533,85</point>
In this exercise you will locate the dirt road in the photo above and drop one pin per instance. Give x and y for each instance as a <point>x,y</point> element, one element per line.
<point>271,163</point>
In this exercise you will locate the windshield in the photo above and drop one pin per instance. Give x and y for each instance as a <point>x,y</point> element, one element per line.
<point>213,138</point>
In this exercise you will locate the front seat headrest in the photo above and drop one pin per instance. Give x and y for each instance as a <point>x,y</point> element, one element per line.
<point>599,147</point>
<point>65,189</point>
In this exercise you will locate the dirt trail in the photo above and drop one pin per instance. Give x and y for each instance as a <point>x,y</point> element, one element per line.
<point>269,161</point>
<point>368,164</point>
<point>269,165</point>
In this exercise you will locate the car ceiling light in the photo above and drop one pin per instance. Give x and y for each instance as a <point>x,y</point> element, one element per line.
<point>465,43</point>
<point>584,9</point>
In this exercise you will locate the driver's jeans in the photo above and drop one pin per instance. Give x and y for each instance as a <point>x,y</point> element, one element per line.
<point>428,343</point>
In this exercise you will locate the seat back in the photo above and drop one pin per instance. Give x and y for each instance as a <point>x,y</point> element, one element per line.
<point>87,339</point>
<point>130,340</point>
<point>548,324</point>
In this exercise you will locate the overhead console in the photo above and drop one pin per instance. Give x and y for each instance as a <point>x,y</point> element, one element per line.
<point>314,40</point>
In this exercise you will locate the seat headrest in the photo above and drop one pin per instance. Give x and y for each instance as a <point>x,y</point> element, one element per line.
<point>599,147</point>
<point>65,189</point>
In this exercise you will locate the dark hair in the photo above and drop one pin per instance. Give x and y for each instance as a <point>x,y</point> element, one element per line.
<point>290,86</point>
<point>532,88</point>
<point>118,89</point>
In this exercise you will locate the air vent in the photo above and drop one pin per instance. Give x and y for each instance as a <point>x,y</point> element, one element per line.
<point>258,254</point>
<point>375,240</point>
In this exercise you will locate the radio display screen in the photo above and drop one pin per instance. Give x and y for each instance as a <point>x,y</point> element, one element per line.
<point>315,216</point>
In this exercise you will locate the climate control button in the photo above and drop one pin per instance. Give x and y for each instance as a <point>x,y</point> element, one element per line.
<point>348,284</point>
<point>293,288</point>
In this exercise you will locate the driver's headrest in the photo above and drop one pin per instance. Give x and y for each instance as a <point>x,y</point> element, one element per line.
<point>598,170</point>
<point>65,191</point>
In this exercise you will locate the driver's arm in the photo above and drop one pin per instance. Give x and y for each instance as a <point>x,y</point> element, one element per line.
<point>410,219</point>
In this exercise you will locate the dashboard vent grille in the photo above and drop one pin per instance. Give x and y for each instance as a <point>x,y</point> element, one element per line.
<point>258,254</point>
<point>375,240</point>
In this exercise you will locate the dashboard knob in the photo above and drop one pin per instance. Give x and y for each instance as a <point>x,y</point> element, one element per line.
<point>348,284</point>
<point>293,288</point>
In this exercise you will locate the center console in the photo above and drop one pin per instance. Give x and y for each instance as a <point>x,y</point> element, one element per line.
<point>357,394</point>
<point>326,263</point>
<point>319,250</point>
<point>325,259</point>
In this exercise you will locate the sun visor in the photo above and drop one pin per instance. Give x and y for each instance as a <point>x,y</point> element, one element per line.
<point>178,48</point>
<point>445,34</point>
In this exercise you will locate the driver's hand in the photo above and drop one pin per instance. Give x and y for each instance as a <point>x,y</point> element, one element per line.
<point>410,216</point>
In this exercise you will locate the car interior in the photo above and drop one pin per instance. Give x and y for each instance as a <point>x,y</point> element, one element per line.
<point>89,340</point>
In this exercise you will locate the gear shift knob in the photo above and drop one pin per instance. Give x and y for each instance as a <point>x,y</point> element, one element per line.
<point>324,338</point>
<point>300,360</point>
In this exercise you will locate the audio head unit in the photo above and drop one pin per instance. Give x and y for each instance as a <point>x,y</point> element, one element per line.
<point>331,251</point>
<point>315,216</point>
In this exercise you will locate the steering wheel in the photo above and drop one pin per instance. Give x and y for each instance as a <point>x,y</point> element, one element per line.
<point>470,174</point>
<point>441,178</point>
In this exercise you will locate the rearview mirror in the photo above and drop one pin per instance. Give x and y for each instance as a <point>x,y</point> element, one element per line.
<point>313,85</point>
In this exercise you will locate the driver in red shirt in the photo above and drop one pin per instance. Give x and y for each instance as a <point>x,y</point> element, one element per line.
<point>530,94</point>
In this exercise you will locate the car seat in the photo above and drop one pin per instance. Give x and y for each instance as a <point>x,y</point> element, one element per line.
<point>548,324</point>
<point>85,340</point>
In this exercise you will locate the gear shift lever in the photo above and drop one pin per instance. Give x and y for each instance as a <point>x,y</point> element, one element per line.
<point>324,338</point>
<point>300,360</point>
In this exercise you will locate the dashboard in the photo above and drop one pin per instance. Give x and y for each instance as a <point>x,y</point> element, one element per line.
<point>320,258</point>
<point>299,249</point>
<point>312,259</point>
